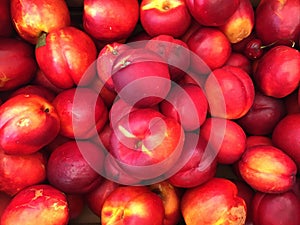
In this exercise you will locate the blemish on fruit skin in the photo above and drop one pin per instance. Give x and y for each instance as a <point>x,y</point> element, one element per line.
<point>24,122</point>
<point>114,214</point>
<point>112,50</point>
<point>234,216</point>
<point>125,63</point>
<point>237,215</point>
<point>57,206</point>
<point>37,193</point>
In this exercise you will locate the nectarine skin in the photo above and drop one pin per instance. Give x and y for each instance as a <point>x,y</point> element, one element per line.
<point>105,60</point>
<point>263,115</point>
<point>273,209</point>
<point>76,203</point>
<point>200,166</point>
<point>4,201</point>
<point>278,21</point>
<point>165,17</point>
<point>109,21</point>
<point>230,92</point>
<point>131,205</point>
<point>33,17</point>
<point>246,193</point>
<point>286,136</point>
<point>212,40</point>
<point>267,169</point>
<point>212,13</point>
<point>147,139</point>
<point>240,25</point>
<point>278,71</point>
<point>67,66</point>
<point>97,196</point>
<point>17,63</point>
<point>187,104</point>
<point>70,171</point>
<point>215,202</point>
<point>239,60</point>
<point>20,171</point>
<point>41,80</point>
<point>36,90</point>
<point>36,205</point>
<point>81,111</point>
<point>292,102</point>
<point>6,27</point>
<point>232,136</point>
<point>141,77</point>
<point>28,123</point>
<point>174,51</point>
<point>253,140</point>
<point>171,201</point>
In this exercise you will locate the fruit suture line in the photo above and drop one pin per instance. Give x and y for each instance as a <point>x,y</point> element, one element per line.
<point>170,112</point>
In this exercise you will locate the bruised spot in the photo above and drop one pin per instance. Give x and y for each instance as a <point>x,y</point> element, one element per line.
<point>237,215</point>
<point>234,216</point>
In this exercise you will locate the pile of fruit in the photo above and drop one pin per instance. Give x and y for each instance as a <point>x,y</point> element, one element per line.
<point>152,112</point>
